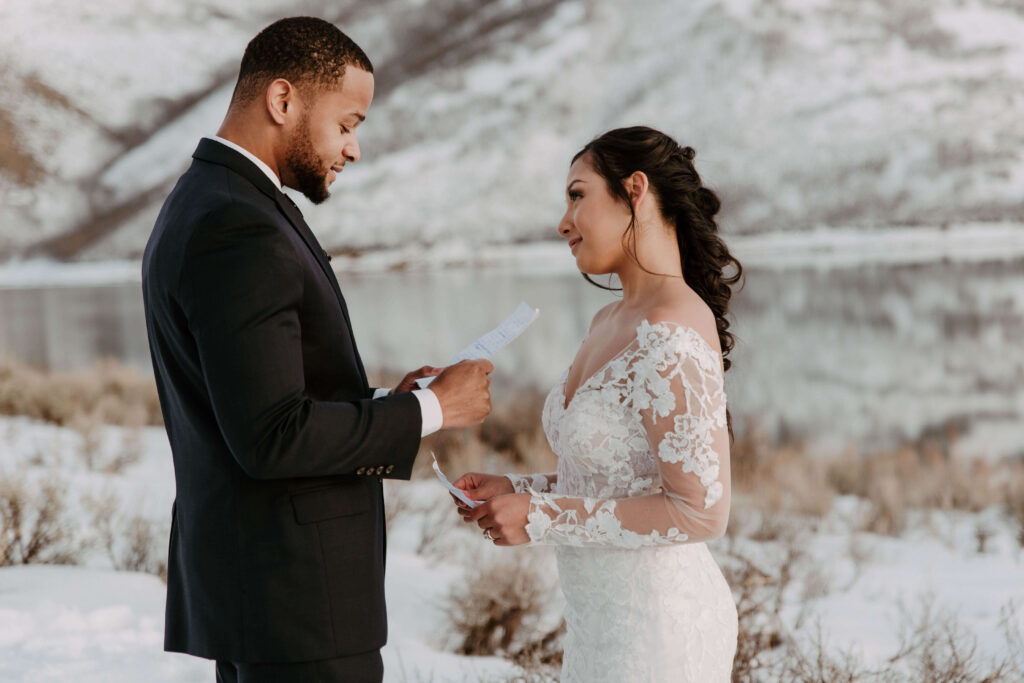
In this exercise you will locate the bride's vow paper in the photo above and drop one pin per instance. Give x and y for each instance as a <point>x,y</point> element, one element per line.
<point>448,485</point>
<point>495,340</point>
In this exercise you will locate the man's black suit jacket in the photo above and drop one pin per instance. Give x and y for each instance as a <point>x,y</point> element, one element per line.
<point>277,533</point>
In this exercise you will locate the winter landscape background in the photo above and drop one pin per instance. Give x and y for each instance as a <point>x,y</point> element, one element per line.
<point>871,164</point>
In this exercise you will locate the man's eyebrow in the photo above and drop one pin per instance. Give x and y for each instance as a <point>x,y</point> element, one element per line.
<point>361,117</point>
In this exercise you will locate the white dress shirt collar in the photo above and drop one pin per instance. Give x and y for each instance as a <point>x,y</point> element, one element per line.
<point>251,157</point>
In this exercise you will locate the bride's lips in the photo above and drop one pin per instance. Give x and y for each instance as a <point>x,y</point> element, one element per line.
<point>573,243</point>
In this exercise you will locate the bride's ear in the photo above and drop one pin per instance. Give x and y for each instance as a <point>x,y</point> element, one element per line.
<point>637,185</point>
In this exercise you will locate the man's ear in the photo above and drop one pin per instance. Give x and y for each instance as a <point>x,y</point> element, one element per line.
<point>281,100</point>
<point>637,185</point>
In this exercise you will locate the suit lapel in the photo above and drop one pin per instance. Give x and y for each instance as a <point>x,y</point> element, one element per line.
<point>213,151</point>
<point>294,217</point>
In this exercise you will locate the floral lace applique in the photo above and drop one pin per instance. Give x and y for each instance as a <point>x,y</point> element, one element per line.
<point>641,448</point>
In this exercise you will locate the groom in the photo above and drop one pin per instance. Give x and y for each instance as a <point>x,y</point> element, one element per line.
<point>276,560</point>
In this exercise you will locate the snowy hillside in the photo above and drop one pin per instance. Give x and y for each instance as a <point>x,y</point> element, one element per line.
<point>804,113</point>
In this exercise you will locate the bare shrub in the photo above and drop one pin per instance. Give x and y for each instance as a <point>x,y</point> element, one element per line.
<point>130,452</point>
<point>887,513</point>
<point>982,532</point>
<point>497,610</point>
<point>132,542</point>
<point>541,658</point>
<point>34,525</point>
<point>143,548</point>
<point>760,628</point>
<point>89,429</point>
<point>817,583</point>
<point>934,646</point>
<point>860,553</point>
<point>435,526</point>
<point>395,503</point>
<point>110,393</point>
<point>1015,501</point>
<point>771,527</point>
<point>812,663</point>
<point>761,590</point>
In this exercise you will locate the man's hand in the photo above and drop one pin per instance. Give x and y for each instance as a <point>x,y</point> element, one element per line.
<point>463,390</point>
<point>408,382</point>
<point>504,517</point>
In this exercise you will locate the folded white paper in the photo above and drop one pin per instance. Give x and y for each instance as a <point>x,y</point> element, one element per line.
<point>495,340</point>
<point>458,493</point>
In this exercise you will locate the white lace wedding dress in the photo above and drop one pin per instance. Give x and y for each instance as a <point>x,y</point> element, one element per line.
<point>642,482</point>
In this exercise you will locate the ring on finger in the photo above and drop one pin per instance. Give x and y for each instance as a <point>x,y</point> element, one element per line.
<point>487,535</point>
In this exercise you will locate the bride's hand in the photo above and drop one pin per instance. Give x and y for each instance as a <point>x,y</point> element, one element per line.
<point>503,519</point>
<point>479,486</point>
<point>408,382</point>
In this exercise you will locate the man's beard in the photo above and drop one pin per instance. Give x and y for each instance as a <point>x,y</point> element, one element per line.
<point>305,166</point>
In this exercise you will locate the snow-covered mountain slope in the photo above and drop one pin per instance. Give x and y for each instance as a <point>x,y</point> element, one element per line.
<point>804,113</point>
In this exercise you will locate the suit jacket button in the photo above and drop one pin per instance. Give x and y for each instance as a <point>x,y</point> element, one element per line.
<point>380,470</point>
<point>389,469</point>
<point>361,470</point>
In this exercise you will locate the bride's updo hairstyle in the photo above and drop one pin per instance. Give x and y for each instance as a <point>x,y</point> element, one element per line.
<point>684,203</point>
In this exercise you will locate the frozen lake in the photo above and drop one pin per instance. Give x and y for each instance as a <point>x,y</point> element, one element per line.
<point>869,354</point>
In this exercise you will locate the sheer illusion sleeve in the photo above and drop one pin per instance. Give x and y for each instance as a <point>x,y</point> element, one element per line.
<point>533,482</point>
<point>675,386</point>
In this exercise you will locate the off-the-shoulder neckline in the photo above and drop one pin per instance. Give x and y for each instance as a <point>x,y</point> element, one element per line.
<point>565,403</point>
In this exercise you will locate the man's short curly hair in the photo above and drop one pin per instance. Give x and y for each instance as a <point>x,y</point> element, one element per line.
<point>309,53</point>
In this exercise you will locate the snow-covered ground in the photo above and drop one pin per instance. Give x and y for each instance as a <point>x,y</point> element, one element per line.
<point>92,624</point>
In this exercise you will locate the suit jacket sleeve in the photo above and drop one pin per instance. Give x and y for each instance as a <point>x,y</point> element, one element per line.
<point>241,289</point>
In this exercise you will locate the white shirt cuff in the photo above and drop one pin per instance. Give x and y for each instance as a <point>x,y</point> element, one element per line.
<point>430,409</point>
<point>381,393</point>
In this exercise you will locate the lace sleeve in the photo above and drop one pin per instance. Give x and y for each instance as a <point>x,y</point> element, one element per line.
<point>676,387</point>
<point>538,483</point>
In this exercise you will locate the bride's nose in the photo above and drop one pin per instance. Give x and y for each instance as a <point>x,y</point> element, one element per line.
<point>565,225</point>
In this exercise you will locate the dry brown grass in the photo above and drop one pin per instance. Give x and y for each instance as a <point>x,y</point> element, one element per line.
<point>109,393</point>
<point>497,610</point>
<point>35,527</point>
<point>785,478</point>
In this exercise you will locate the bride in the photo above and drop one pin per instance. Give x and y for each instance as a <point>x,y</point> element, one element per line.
<point>639,424</point>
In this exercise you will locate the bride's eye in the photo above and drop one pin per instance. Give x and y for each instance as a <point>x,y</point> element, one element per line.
<point>574,195</point>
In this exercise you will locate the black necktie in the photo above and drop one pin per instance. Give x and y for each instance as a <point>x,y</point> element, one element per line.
<point>326,255</point>
<point>296,206</point>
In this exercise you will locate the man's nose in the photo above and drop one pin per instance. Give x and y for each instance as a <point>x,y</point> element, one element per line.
<point>351,150</point>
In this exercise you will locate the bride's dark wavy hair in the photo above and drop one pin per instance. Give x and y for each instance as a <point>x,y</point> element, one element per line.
<point>684,203</point>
